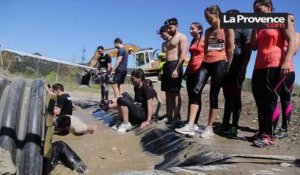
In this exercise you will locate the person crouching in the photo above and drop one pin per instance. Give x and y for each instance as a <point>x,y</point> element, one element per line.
<point>137,111</point>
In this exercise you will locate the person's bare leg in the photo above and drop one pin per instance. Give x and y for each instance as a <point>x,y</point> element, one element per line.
<point>120,89</point>
<point>169,106</point>
<point>192,114</point>
<point>212,116</point>
<point>125,114</point>
<point>177,105</point>
<point>116,90</point>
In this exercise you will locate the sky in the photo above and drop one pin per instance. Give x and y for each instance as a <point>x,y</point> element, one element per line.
<point>62,28</point>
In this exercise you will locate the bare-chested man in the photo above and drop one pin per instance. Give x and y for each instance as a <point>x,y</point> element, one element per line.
<point>176,50</point>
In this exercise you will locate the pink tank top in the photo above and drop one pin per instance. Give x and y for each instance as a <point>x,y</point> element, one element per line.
<point>270,49</point>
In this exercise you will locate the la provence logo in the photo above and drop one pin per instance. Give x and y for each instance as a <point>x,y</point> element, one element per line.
<point>254,20</point>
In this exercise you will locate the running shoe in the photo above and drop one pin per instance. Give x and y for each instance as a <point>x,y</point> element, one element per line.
<point>281,134</point>
<point>233,131</point>
<point>208,132</point>
<point>123,128</point>
<point>263,142</point>
<point>198,129</point>
<point>186,130</point>
<point>117,124</point>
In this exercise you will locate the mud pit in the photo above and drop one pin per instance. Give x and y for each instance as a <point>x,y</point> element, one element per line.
<point>108,152</point>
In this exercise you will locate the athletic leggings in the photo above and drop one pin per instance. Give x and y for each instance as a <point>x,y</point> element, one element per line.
<point>233,104</point>
<point>136,113</point>
<point>194,96</point>
<point>217,71</point>
<point>285,99</point>
<point>266,84</point>
<point>232,93</point>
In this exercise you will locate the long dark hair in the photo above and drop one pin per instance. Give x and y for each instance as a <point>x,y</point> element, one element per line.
<point>265,3</point>
<point>138,73</point>
<point>213,9</point>
<point>199,26</point>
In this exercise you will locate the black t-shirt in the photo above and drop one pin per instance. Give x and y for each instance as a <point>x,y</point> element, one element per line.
<point>143,94</point>
<point>123,64</point>
<point>103,61</point>
<point>241,35</point>
<point>65,104</point>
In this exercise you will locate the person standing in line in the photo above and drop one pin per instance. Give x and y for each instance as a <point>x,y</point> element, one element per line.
<point>218,54</point>
<point>176,52</point>
<point>234,81</point>
<point>192,77</point>
<point>104,69</point>
<point>271,66</point>
<point>286,91</point>
<point>120,68</point>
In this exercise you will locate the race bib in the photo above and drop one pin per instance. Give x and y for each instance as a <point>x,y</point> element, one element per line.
<point>216,46</point>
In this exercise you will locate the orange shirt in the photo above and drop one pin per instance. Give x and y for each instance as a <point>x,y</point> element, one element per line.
<point>270,48</point>
<point>216,46</point>
<point>197,56</point>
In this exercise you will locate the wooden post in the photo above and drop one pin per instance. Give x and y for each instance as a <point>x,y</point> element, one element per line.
<point>50,103</point>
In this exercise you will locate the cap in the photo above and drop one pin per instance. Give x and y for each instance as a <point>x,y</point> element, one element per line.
<point>172,21</point>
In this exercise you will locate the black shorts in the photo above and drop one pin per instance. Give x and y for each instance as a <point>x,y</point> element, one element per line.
<point>168,83</point>
<point>119,77</point>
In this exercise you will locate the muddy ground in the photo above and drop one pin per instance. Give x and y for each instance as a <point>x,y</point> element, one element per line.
<point>108,152</point>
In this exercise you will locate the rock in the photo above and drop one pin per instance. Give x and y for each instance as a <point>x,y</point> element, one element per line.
<point>285,164</point>
<point>6,163</point>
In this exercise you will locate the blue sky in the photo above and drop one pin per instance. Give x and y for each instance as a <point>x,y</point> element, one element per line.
<point>61,28</point>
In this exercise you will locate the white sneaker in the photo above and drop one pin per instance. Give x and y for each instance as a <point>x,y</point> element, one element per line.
<point>186,130</point>
<point>208,132</point>
<point>198,129</point>
<point>117,124</point>
<point>124,127</point>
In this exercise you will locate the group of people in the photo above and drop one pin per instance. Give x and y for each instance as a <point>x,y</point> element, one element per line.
<point>221,55</point>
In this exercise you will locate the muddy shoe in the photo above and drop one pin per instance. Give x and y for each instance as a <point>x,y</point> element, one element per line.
<point>80,168</point>
<point>263,142</point>
<point>281,134</point>
<point>186,130</point>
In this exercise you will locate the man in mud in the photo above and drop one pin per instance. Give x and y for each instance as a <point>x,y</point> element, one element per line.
<point>64,120</point>
<point>104,67</point>
<point>120,69</point>
<point>176,51</point>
